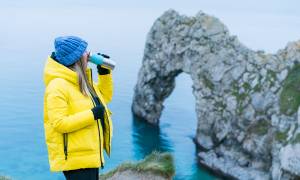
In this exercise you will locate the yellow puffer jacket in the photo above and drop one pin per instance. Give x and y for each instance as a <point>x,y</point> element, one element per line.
<point>74,139</point>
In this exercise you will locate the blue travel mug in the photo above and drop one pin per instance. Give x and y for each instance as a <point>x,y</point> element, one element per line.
<point>103,60</point>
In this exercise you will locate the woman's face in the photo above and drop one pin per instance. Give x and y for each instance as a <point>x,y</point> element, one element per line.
<point>85,58</point>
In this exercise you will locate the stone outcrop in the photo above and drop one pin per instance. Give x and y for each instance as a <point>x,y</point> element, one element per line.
<point>246,101</point>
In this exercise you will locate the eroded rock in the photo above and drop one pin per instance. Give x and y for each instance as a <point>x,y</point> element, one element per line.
<point>246,101</point>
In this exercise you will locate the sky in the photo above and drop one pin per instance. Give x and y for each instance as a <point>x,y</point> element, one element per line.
<point>261,25</point>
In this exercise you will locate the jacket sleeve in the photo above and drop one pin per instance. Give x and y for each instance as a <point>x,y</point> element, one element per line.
<point>59,117</point>
<point>105,86</point>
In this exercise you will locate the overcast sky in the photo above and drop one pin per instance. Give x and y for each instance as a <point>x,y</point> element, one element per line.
<point>259,24</point>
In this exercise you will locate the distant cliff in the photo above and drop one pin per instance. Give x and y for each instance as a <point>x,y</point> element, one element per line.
<point>246,101</point>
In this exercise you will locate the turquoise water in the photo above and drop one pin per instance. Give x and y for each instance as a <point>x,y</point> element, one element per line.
<point>119,30</point>
<point>22,148</point>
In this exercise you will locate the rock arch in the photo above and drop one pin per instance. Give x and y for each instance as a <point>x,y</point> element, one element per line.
<point>237,92</point>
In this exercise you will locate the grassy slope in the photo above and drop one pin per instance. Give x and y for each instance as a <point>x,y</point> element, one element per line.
<point>157,163</point>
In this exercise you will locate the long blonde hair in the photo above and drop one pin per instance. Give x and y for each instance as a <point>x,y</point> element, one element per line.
<point>84,85</point>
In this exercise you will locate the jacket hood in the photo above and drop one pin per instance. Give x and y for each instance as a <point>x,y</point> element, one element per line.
<point>54,69</point>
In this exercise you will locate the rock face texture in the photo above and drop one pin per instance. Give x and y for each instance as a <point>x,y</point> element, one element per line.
<point>246,101</point>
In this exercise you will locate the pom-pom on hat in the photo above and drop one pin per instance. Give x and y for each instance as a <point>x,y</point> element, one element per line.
<point>69,49</point>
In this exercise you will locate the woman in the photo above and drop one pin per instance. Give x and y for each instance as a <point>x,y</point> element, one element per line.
<point>77,121</point>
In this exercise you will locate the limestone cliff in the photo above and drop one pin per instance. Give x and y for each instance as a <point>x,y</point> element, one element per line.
<point>246,101</point>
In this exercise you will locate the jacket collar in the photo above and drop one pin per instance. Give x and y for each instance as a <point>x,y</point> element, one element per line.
<point>54,69</point>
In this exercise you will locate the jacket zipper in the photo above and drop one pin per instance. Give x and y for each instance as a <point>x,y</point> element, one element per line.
<point>97,125</point>
<point>107,122</point>
<point>65,136</point>
<point>99,138</point>
<point>108,131</point>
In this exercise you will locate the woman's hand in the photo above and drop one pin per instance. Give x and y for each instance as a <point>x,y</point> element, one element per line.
<point>98,111</point>
<point>102,70</point>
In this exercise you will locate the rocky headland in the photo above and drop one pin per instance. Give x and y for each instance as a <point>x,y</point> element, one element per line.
<point>246,101</point>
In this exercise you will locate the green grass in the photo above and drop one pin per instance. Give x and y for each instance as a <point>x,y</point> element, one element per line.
<point>271,77</point>
<point>281,136</point>
<point>208,83</point>
<point>290,94</point>
<point>296,139</point>
<point>261,127</point>
<point>157,163</point>
<point>240,97</point>
<point>4,178</point>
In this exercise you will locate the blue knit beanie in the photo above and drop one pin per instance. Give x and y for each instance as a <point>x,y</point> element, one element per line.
<point>69,49</point>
